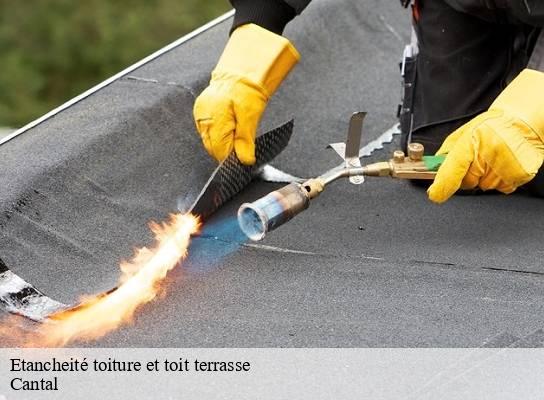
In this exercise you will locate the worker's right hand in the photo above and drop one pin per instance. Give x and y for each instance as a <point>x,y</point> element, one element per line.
<point>502,148</point>
<point>227,113</point>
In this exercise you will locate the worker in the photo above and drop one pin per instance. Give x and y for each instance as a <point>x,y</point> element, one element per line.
<point>477,96</point>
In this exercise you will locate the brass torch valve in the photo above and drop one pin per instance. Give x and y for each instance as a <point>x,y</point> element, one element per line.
<point>414,166</point>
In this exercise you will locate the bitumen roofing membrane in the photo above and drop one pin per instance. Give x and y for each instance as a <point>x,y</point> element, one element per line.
<point>375,265</point>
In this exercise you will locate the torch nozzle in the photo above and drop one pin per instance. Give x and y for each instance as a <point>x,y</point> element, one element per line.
<point>276,208</point>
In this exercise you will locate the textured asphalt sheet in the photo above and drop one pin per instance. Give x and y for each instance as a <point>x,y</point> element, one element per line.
<point>371,265</point>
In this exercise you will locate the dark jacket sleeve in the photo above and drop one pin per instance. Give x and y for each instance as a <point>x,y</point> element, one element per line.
<point>529,12</point>
<point>273,15</point>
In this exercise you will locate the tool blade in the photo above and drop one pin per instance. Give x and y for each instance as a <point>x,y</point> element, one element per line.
<point>353,143</point>
<point>231,176</point>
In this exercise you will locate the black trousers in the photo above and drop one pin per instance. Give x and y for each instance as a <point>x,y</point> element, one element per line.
<point>464,62</point>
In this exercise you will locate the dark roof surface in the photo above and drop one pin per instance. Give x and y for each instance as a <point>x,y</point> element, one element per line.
<point>371,265</point>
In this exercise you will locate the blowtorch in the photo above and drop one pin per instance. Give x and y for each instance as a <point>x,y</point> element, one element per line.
<point>276,208</point>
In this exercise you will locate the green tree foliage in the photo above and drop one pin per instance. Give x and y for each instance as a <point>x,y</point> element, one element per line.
<point>52,50</point>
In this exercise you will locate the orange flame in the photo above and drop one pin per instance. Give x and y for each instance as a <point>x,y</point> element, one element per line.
<point>101,314</point>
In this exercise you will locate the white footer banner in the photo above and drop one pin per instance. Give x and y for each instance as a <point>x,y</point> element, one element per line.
<point>177,374</point>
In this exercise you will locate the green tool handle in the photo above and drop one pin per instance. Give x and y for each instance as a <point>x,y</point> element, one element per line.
<point>432,163</point>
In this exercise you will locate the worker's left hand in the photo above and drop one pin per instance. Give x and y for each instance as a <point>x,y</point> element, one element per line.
<point>500,149</point>
<point>251,68</point>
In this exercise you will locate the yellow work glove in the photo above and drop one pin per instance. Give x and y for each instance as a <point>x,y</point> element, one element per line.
<point>227,113</point>
<point>502,148</point>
